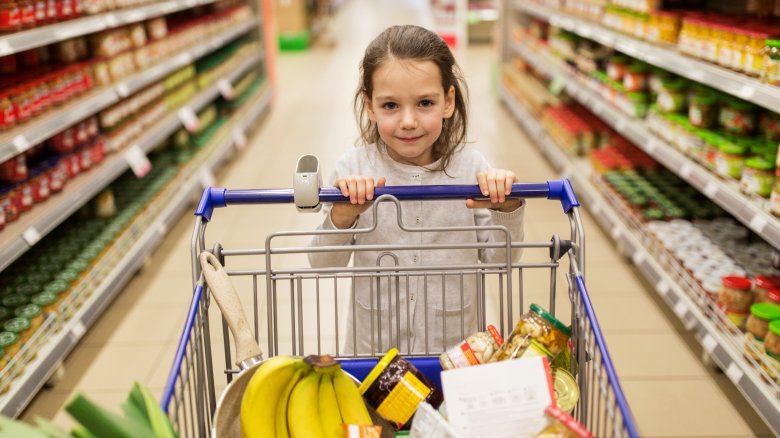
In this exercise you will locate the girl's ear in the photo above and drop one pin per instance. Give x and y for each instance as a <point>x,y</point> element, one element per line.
<point>369,109</point>
<point>449,103</point>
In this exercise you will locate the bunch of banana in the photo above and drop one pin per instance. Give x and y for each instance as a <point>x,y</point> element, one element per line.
<point>301,398</point>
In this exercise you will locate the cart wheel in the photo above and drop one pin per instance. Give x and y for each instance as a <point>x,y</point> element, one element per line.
<point>56,377</point>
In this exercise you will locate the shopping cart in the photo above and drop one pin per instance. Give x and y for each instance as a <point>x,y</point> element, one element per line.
<point>289,302</point>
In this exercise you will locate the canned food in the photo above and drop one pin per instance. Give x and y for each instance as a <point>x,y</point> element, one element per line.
<point>567,393</point>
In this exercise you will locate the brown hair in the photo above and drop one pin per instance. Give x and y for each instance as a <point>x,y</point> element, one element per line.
<point>419,44</point>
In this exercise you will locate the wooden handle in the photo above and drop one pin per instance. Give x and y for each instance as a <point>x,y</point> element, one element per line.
<point>227,299</point>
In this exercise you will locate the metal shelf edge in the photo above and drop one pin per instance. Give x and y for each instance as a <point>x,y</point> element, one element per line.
<point>722,193</point>
<point>104,176</point>
<point>694,320</point>
<point>736,84</point>
<point>43,35</point>
<point>70,334</point>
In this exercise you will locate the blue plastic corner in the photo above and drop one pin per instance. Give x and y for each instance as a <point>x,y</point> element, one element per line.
<point>210,199</point>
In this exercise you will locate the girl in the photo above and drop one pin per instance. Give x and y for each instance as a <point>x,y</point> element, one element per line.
<point>411,108</point>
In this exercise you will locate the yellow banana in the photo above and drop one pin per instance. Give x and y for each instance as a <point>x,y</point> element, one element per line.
<point>282,431</point>
<point>351,405</point>
<point>261,397</point>
<point>329,409</point>
<point>303,416</point>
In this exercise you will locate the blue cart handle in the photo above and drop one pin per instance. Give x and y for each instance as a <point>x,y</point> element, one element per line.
<point>220,197</point>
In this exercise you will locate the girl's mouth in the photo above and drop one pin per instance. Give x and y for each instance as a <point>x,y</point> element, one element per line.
<point>409,139</point>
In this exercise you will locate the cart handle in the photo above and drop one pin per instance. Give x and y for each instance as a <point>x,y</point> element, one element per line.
<point>220,197</point>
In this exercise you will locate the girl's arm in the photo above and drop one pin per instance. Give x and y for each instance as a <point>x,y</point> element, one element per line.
<point>330,259</point>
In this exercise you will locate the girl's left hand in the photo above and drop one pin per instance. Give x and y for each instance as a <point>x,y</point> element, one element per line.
<point>496,184</point>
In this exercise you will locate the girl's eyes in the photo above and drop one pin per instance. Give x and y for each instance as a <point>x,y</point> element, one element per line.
<point>426,102</point>
<point>423,103</point>
<point>389,106</point>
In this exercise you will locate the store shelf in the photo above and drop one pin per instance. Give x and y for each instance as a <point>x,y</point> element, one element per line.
<point>57,347</point>
<point>719,347</point>
<point>726,194</point>
<point>20,236</point>
<point>41,36</point>
<point>731,82</point>
<point>41,128</point>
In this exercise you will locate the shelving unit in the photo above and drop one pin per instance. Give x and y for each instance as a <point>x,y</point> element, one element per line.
<point>43,35</point>
<point>57,347</point>
<point>59,335</point>
<point>41,128</point>
<point>736,84</point>
<point>723,349</point>
<point>726,194</point>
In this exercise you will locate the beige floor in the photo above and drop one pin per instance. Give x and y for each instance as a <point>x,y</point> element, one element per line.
<point>670,391</point>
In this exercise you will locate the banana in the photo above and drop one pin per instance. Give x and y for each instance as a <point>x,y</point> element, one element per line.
<point>261,397</point>
<point>282,431</point>
<point>303,416</point>
<point>351,405</point>
<point>329,409</point>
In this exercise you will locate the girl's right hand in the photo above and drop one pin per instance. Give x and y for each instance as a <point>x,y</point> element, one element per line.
<point>360,191</point>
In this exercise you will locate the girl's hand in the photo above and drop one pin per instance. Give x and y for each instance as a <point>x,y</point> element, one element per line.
<point>496,184</point>
<point>360,191</point>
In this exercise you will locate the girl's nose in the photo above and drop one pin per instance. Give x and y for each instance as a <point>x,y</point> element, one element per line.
<point>408,120</point>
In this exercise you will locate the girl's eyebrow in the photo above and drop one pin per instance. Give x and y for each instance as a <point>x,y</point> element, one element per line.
<point>422,96</point>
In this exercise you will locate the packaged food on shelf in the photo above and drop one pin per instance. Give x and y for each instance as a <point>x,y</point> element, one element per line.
<point>476,349</point>
<point>536,325</point>
<point>771,70</point>
<point>757,326</point>
<point>395,387</point>
<point>672,96</point>
<point>703,109</point>
<point>737,116</point>
<point>772,349</point>
<point>735,299</point>
<point>758,177</point>
<point>9,343</point>
<point>730,159</point>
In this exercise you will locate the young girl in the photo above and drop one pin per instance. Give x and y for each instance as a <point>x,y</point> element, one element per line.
<point>411,109</point>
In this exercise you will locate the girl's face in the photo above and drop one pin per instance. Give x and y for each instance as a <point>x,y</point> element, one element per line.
<point>408,106</point>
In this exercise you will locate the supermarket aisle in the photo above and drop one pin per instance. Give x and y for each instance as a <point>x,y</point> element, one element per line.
<point>671,392</point>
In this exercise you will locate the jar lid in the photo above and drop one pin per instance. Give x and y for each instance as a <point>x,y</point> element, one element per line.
<point>774,326</point>
<point>44,299</point>
<point>759,164</point>
<point>767,282</point>
<point>56,287</point>
<point>773,43</point>
<point>14,300</point>
<point>8,338</point>
<point>728,147</point>
<point>767,311</point>
<point>378,370</point>
<point>773,295</point>
<point>17,325</point>
<point>736,282</point>
<point>28,311</point>
<point>551,319</point>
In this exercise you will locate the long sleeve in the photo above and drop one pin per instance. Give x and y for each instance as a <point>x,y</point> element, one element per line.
<point>513,221</point>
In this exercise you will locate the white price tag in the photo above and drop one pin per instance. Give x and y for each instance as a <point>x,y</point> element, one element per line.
<point>138,161</point>
<point>162,229</point>
<point>185,58</point>
<point>21,143</point>
<point>711,189</point>
<point>696,75</point>
<point>651,146</point>
<point>638,258</point>
<point>31,236</point>
<point>226,89</point>
<point>239,139</point>
<point>662,288</point>
<point>111,20</point>
<point>5,48</point>
<point>686,170</point>
<point>709,343</point>
<point>122,90</point>
<point>584,31</point>
<point>746,92</point>
<point>78,330</point>
<point>681,309</point>
<point>616,233</point>
<point>188,118</point>
<point>758,223</point>
<point>621,124</point>
<point>206,178</point>
<point>734,373</point>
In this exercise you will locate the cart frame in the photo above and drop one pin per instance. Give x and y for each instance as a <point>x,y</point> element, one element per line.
<point>190,397</point>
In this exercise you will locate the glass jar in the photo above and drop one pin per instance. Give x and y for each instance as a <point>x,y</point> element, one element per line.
<point>737,116</point>
<point>9,343</point>
<point>754,53</point>
<point>729,159</point>
<point>617,67</point>
<point>31,312</point>
<point>735,299</point>
<point>702,110</point>
<point>739,47</point>
<point>20,327</point>
<point>537,326</point>
<point>771,70</point>
<point>757,326</point>
<point>635,77</point>
<point>671,96</point>
<point>758,177</point>
<point>762,285</point>
<point>769,126</point>
<point>772,348</point>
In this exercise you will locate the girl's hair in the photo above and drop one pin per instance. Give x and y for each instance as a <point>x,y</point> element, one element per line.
<point>419,44</point>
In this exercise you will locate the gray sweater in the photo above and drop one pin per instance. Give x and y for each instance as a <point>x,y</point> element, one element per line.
<point>450,307</point>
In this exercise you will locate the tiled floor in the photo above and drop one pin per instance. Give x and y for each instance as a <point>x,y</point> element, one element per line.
<point>670,391</point>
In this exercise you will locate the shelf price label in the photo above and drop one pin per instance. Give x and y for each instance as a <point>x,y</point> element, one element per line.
<point>21,143</point>
<point>709,343</point>
<point>138,161</point>
<point>734,373</point>
<point>31,236</point>
<point>189,119</point>
<point>239,139</point>
<point>226,89</point>
<point>5,48</point>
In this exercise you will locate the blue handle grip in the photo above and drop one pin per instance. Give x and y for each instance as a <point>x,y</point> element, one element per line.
<point>219,197</point>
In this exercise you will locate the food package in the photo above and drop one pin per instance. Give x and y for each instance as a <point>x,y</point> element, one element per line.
<point>476,349</point>
<point>562,425</point>
<point>538,329</point>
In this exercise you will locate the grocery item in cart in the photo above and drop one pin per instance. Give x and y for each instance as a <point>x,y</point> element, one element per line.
<point>395,388</point>
<point>476,349</point>
<point>562,425</point>
<point>538,326</point>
